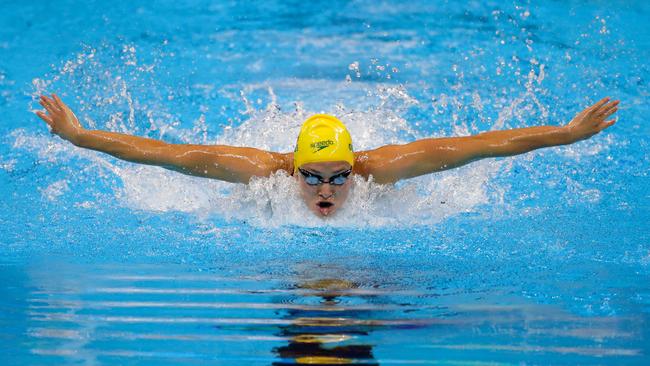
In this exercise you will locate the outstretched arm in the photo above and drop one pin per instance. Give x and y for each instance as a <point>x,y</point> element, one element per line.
<point>228,163</point>
<point>391,163</point>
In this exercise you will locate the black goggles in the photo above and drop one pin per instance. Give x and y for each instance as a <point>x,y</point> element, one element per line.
<point>314,179</point>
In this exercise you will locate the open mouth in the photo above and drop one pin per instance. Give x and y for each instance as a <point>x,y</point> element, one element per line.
<point>325,208</point>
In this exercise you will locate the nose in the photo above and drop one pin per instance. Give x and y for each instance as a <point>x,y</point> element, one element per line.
<point>325,191</point>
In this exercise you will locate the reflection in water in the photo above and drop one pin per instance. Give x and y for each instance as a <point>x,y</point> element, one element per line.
<point>326,336</point>
<point>147,316</point>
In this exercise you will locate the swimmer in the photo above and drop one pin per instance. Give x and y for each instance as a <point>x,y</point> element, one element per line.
<point>324,158</point>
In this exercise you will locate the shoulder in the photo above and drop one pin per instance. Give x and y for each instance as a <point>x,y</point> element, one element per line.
<point>390,163</point>
<point>282,161</point>
<point>371,162</point>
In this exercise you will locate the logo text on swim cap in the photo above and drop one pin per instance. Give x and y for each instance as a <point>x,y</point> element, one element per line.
<point>320,145</point>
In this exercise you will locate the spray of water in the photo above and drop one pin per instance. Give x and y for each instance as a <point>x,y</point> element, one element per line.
<point>274,200</point>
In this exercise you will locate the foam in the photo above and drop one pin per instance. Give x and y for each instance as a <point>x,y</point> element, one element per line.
<point>275,201</point>
<point>375,120</point>
<point>54,190</point>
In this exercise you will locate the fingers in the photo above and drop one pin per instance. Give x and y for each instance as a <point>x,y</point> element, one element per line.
<point>609,113</point>
<point>607,124</point>
<point>57,99</point>
<point>45,117</point>
<point>48,120</point>
<point>609,109</point>
<point>598,104</point>
<point>49,104</point>
<point>602,110</point>
<point>45,101</point>
<point>59,102</point>
<point>52,109</point>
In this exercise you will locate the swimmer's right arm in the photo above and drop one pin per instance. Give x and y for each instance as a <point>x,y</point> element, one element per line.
<point>228,163</point>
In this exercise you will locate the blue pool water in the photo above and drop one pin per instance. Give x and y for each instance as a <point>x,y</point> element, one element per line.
<point>537,259</point>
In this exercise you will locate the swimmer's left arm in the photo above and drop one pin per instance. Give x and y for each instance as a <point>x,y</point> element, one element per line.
<point>391,163</point>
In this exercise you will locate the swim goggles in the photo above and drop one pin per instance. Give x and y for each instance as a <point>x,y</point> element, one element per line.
<point>314,179</point>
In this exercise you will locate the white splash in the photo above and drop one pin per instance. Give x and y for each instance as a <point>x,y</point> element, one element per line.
<point>55,190</point>
<point>376,120</point>
<point>8,165</point>
<point>275,201</point>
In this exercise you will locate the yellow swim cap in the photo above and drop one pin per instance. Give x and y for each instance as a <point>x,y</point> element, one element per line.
<point>323,138</point>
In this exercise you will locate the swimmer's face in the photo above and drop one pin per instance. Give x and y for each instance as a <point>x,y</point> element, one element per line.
<point>325,198</point>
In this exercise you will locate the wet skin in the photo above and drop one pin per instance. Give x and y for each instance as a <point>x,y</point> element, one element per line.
<point>386,164</point>
<point>324,199</point>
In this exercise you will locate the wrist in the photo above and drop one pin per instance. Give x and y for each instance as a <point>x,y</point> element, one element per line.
<point>78,137</point>
<point>567,135</point>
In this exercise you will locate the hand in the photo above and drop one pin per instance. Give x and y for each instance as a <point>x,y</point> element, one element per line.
<point>592,120</point>
<point>60,118</point>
